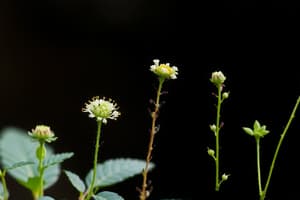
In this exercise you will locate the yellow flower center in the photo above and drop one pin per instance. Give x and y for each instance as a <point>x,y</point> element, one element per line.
<point>103,110</point>
<point>165,70</point>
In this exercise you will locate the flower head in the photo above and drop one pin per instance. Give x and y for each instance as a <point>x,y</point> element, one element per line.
<point>101,109</point>
<point>164,70</point>
<point>217,78</point>
<point>42,133</point>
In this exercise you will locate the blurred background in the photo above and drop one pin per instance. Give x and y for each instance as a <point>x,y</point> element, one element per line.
<point>56,55</point>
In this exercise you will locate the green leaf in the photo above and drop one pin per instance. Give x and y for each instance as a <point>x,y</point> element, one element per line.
<point>116,170</point>
<point>17,146</point>
<point>1,192</point>
<point>56,159</point>
<point>51,175</point>
<point>33,184</point>
<point>18,164</point>
<point>108,196</point>
<point>248,131</point>
<point>75,181</point>
<point>46,198</point>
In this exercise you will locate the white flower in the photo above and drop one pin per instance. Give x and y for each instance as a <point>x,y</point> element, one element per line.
<point>164,70</point>
<point>101,109</point>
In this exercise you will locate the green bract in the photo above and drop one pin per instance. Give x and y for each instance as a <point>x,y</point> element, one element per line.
<point>257,131</point>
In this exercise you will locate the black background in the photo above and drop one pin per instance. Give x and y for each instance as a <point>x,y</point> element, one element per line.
<point>56,55</point>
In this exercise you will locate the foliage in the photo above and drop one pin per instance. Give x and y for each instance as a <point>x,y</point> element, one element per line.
<point>28,158</point>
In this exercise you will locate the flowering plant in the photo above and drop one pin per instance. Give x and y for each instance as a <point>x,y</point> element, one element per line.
<point>30,160</point>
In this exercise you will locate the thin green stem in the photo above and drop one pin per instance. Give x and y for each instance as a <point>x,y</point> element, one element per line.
<point>5,191</point>
<point>279,145</point>
<point>217,187</point>
<point>257,139</point>
<point>90,193</point>
<point>143,192</point>
<point>41,155</point>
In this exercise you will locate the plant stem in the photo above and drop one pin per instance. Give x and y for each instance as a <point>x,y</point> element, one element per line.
<point>41,155</point>
<point>278,147</point>
<point>217,187</point>
<point>5,192</point>
<point>90,193</point>
<point>257,139</point>
<point>154,115</point>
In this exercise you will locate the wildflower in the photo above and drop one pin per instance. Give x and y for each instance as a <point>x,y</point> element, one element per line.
<point>42,133</point>
<point>101,109</point>
<point>164,70</point>
<point>217,78</point>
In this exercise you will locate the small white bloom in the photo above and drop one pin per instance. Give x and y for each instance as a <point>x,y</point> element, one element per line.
<point>102,109</point>
<point>164,70</point>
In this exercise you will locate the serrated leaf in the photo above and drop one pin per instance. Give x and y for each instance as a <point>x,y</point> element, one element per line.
<point>75,181</point>
<point>108,196</point>
<point>46,198</point>
<point>116,170</point>
<point>17,146</point>
<point>57,158</point>
<point>19,164</point>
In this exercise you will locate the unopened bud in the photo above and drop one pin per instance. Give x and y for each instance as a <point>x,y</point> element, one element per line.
<point>211,152</point>
<point>225,177</point>
<point>42,133</point>
<point>225,95</point>
<point>213,127</point>
<point>217,78</point>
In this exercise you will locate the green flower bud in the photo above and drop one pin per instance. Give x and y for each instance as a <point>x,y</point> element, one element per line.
<point>225,95</point>
<point>41,152</point>
<point>211,152</point>
<point>42,133</point>
<point>217,78</point>
<point>225,177</point>
<point>213,128</point>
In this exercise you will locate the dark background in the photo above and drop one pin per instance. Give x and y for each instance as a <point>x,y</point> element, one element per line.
<point>56,55</point>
